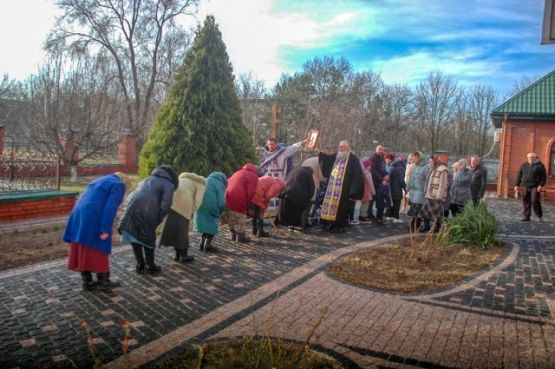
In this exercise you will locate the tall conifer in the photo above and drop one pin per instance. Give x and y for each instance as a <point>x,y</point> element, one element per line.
<point>199,128</point>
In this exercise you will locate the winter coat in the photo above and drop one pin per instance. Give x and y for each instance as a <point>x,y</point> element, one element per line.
<point>378,170</point>
<point>460,189</point>
<point>241,188</point>
<point>383,195</point>
<point>479,181</point>
<point>417,182</point>
<point>207,217</point>
<point>146,207</point>
<point>438,183</point>
<point>316,173</point>
<point>300,186</point>
<point>188,196</point>
<point>266,189</point>
<point>531,175</point>
<point>397,179</point>
<point>369,190</point>
<point>94,213</point>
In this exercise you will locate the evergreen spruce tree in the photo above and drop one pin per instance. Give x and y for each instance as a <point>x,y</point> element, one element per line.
<point>199,127</point>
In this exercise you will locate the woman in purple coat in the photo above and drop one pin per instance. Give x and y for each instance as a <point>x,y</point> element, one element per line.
<point>89,229</point>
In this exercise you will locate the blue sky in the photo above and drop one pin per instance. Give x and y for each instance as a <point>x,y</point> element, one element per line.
<point>492,42</point>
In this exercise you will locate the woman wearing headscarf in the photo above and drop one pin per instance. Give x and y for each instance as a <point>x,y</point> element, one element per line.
<point>207,217</point>
<point>460,189</point>
<point>186,200</point>
<point>144,210</point>
<point>297,198</point>
<point>89,229</point>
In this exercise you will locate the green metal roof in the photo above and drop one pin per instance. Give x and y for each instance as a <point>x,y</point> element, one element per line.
<point>538,98</point>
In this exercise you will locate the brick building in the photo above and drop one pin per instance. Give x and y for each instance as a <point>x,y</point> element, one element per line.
<point>527,122</point>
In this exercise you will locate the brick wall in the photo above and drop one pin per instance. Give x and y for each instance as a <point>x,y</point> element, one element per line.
<point>518,138</point>
<point>36,207</point>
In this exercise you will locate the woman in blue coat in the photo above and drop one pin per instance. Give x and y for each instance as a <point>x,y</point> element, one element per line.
<point>89,229</point>
<point>144,210</point>
<point>207,217</point>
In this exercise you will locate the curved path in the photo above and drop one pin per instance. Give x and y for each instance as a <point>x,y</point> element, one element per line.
<point>500,318</point>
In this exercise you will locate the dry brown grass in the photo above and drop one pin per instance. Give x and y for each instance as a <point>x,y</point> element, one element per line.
<point>20,248</point>
<point>414,265</point>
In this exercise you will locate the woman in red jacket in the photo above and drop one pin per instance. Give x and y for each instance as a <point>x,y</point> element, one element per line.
<point>238,195</point>
<point>267,188</point>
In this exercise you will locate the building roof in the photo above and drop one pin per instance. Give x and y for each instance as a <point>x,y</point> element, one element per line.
<point>536,101</point>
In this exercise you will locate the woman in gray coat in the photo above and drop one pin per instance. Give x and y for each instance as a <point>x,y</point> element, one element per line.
<point>460,189</point>
<point>417,188</point>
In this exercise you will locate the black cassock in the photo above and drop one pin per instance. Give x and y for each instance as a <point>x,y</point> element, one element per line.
<point>298,197</point>
<point>352,187</point>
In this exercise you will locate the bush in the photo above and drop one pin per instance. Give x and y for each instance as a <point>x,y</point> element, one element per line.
<point>475,226</point>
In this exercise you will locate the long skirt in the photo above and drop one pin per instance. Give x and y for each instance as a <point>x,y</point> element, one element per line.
<point>293,214</point>
<point>83,258</point>
<point>176,231</point>
<point>432,209</point>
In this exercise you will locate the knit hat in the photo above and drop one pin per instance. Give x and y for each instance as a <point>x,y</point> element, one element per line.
<point>389,156</point>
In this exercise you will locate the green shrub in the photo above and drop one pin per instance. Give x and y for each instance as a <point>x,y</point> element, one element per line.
<point>475,226</point>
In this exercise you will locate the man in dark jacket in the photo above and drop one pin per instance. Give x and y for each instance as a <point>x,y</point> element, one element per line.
<point>479,179</point>
<point>531,177</point>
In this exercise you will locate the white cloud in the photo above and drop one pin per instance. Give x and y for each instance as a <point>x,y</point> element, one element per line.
<point>413,68</point>
<point>23,29</point>
<point>255,32</point>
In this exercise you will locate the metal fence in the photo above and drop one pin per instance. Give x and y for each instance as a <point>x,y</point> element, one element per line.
<point>28,174</point>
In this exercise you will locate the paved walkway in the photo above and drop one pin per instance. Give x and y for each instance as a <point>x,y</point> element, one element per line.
<point>501,318</point>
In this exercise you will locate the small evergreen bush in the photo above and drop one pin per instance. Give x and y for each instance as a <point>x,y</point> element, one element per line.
<point>475,226</point>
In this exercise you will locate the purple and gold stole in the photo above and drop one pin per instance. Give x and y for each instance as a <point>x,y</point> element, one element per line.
<point>333,192</point>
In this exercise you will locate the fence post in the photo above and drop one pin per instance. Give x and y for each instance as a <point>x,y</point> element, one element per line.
<point>127,152</point>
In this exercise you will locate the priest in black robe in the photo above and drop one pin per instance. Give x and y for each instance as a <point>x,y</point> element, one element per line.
<point>345,186</point>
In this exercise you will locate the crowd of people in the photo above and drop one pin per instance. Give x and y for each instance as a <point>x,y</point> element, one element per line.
<point>335,190</point>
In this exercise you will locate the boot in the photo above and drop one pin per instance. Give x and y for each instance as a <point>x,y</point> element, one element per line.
<point>184,258</point>
<point>177,255</point>
<point>110,282</point>
<point>208,247</point>
<point>260,231</point>
<point>201,244</point>
<point>151,267</point>
<point>138,251</point>
<point>233,235</point>
<point>88,283</point>
<point>242,238</point>
<point>425,227</point>
<point>103,282</point>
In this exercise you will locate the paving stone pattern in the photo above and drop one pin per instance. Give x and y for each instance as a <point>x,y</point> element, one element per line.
<point>503,321</point>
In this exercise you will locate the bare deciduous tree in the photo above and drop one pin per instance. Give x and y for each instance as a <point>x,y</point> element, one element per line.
<point>251,92</point>
<point>435,104</point>
<point>482,100</point>
<point>72,108</point>
<point>140,38</point>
